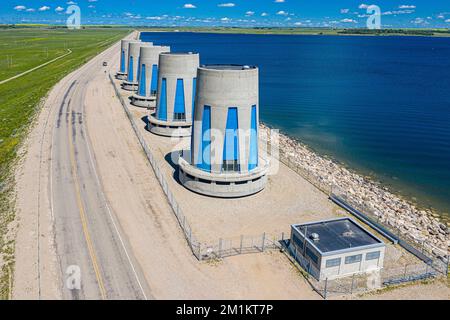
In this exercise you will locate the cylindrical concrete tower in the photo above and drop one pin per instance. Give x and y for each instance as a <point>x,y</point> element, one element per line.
<point>122,74</point>
<point>177,81</point>
<point>224,160</point>
<point>148,76</point>
<point>134,50</point>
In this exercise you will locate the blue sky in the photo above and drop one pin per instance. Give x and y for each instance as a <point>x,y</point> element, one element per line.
<point>303,13</point>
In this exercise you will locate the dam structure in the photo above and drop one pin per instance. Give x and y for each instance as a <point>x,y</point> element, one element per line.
<point>134,50</point>
<point>148,76</point>
<point>123,70</point>
<point>177,81</point>
<point>223,160</point>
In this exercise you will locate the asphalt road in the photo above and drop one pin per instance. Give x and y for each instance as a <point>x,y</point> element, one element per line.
<point>95,260</point>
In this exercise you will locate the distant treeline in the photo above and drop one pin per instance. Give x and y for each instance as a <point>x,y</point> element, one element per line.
<point>421,32</point>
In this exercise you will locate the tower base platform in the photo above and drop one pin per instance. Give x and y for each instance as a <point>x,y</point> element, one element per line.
<point>223,185</point>
<point>169,128</point>
<point>121,76</point>
<point>129,86</point>
<point>144,102</point>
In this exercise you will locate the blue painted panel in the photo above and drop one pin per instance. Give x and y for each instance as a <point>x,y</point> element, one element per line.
<point>204,157</point>
<point>142,82</point>
<point>154,83</point>
<point>179,97</point>
<point>130,69</point>
<point>231,143</point>
<point>138,74</point>
<point>253,158</point>
<point>122,62</point>
<point>194,90</point>
<point>162,110</point>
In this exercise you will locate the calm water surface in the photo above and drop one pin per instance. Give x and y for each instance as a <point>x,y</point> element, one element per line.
<point>380,105</point>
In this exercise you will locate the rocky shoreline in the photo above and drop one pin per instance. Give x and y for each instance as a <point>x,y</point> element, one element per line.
<point>421,225</point>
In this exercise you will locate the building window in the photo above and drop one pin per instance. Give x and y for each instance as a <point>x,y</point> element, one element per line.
<point>154,80</point>
<point>231,142</point>
<point>130,69</point>
<point>372,255</point>
<point>142,81</point>
<point>204,150</point>
<point>194,88</point>
<point>179,107</point>
<point>162,108</point>
<point>353,259</point>
<point>312,255</point>
<point>297,241</point>
<point>179,116</point>
<point>253,159</point>
<point>230,166</point>
<point>333,263</point>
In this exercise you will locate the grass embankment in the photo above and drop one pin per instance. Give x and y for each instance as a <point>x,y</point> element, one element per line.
<point>308,31</point>
<point>20,100</point>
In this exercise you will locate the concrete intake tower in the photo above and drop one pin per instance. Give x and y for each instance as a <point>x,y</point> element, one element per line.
<point>224,159</point>
<point>177,81</point>
<point>134,49</point>
<point>148,76</point>
<point>123,70</point>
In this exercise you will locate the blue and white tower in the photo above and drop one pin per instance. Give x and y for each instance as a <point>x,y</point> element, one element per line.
<point>134,50</point>
<point>123,68</point>
<point>148,76</point>
<point>224,157</point>
<point>176,93</point>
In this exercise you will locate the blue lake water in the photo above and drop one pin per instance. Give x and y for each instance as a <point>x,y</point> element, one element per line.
<point>380,105</point>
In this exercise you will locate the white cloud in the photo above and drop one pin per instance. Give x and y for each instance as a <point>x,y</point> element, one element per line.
<point>348,20</point>
<point>264,14</point>
<point>298,24</point>
<point>406,6</point>
<point>59,9</point>
<point>282,13</point>
<point>279,1</point>
<point>363,6</point>
<point>226,5</point>
<point>19,8</point>
<point>345,10</point>
<point>44,8</point>
<point>30,10</point>
<point>71,3</point>
<point>225,19</point>
<point>250,13</point>
<point>448,20</point>
<point>189,6</point>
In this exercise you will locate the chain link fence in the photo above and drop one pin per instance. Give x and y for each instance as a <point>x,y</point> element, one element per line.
<point>434,257</point>
<point>221,248</point>
<point>226,247</point>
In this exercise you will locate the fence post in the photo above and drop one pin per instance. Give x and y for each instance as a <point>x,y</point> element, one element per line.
<point>240,247</point>
<point>325,289</point>
<point>282,236</point>
<point>263,241</point>
<point>448,263</point>
<point>353,282</point>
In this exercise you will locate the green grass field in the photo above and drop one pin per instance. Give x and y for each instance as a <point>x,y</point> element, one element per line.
<point>20,99</point>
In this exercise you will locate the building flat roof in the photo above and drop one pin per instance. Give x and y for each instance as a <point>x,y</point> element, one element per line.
<point>337,234</point>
